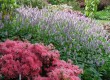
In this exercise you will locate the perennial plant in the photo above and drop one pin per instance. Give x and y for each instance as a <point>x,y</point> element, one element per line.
<point>24,60</point>
<point>76,37</point>
<point>85,40</point>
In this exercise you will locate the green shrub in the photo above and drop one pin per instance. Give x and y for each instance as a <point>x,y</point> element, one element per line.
<point>58,7</point>
<point>56,1</point>
<point>105,70</point>
<point>103,15</point>
<point>33,3</point>
<point>107,8</point>
<point>72,3</point>
<point>91,7</point>
<point>7,7</point>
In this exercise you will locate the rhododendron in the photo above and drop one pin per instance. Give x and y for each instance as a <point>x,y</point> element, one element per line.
<point>34,62</point>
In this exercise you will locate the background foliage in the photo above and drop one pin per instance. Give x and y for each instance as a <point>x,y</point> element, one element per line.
<point>72,3</point>
<point>33,3</point>
<point>91,7</point>
<point>6,8</point>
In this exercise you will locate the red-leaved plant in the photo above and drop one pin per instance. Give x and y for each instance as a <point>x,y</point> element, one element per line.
<point>26,61</point>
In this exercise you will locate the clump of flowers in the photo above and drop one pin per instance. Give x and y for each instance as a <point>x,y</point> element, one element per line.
<point>24,60</point>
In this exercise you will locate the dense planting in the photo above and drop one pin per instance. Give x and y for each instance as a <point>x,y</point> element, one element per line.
<point>34,61</point>
<point>74,35</point>
<point>79,38</point>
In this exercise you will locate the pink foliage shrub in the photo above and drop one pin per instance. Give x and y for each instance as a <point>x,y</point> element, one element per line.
<point>34,62</point>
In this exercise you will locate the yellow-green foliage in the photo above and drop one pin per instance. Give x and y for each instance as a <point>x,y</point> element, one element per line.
<point>58,7</point>
<point>7,7</point>
<point>91,7</point>
<point>33,3</point>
